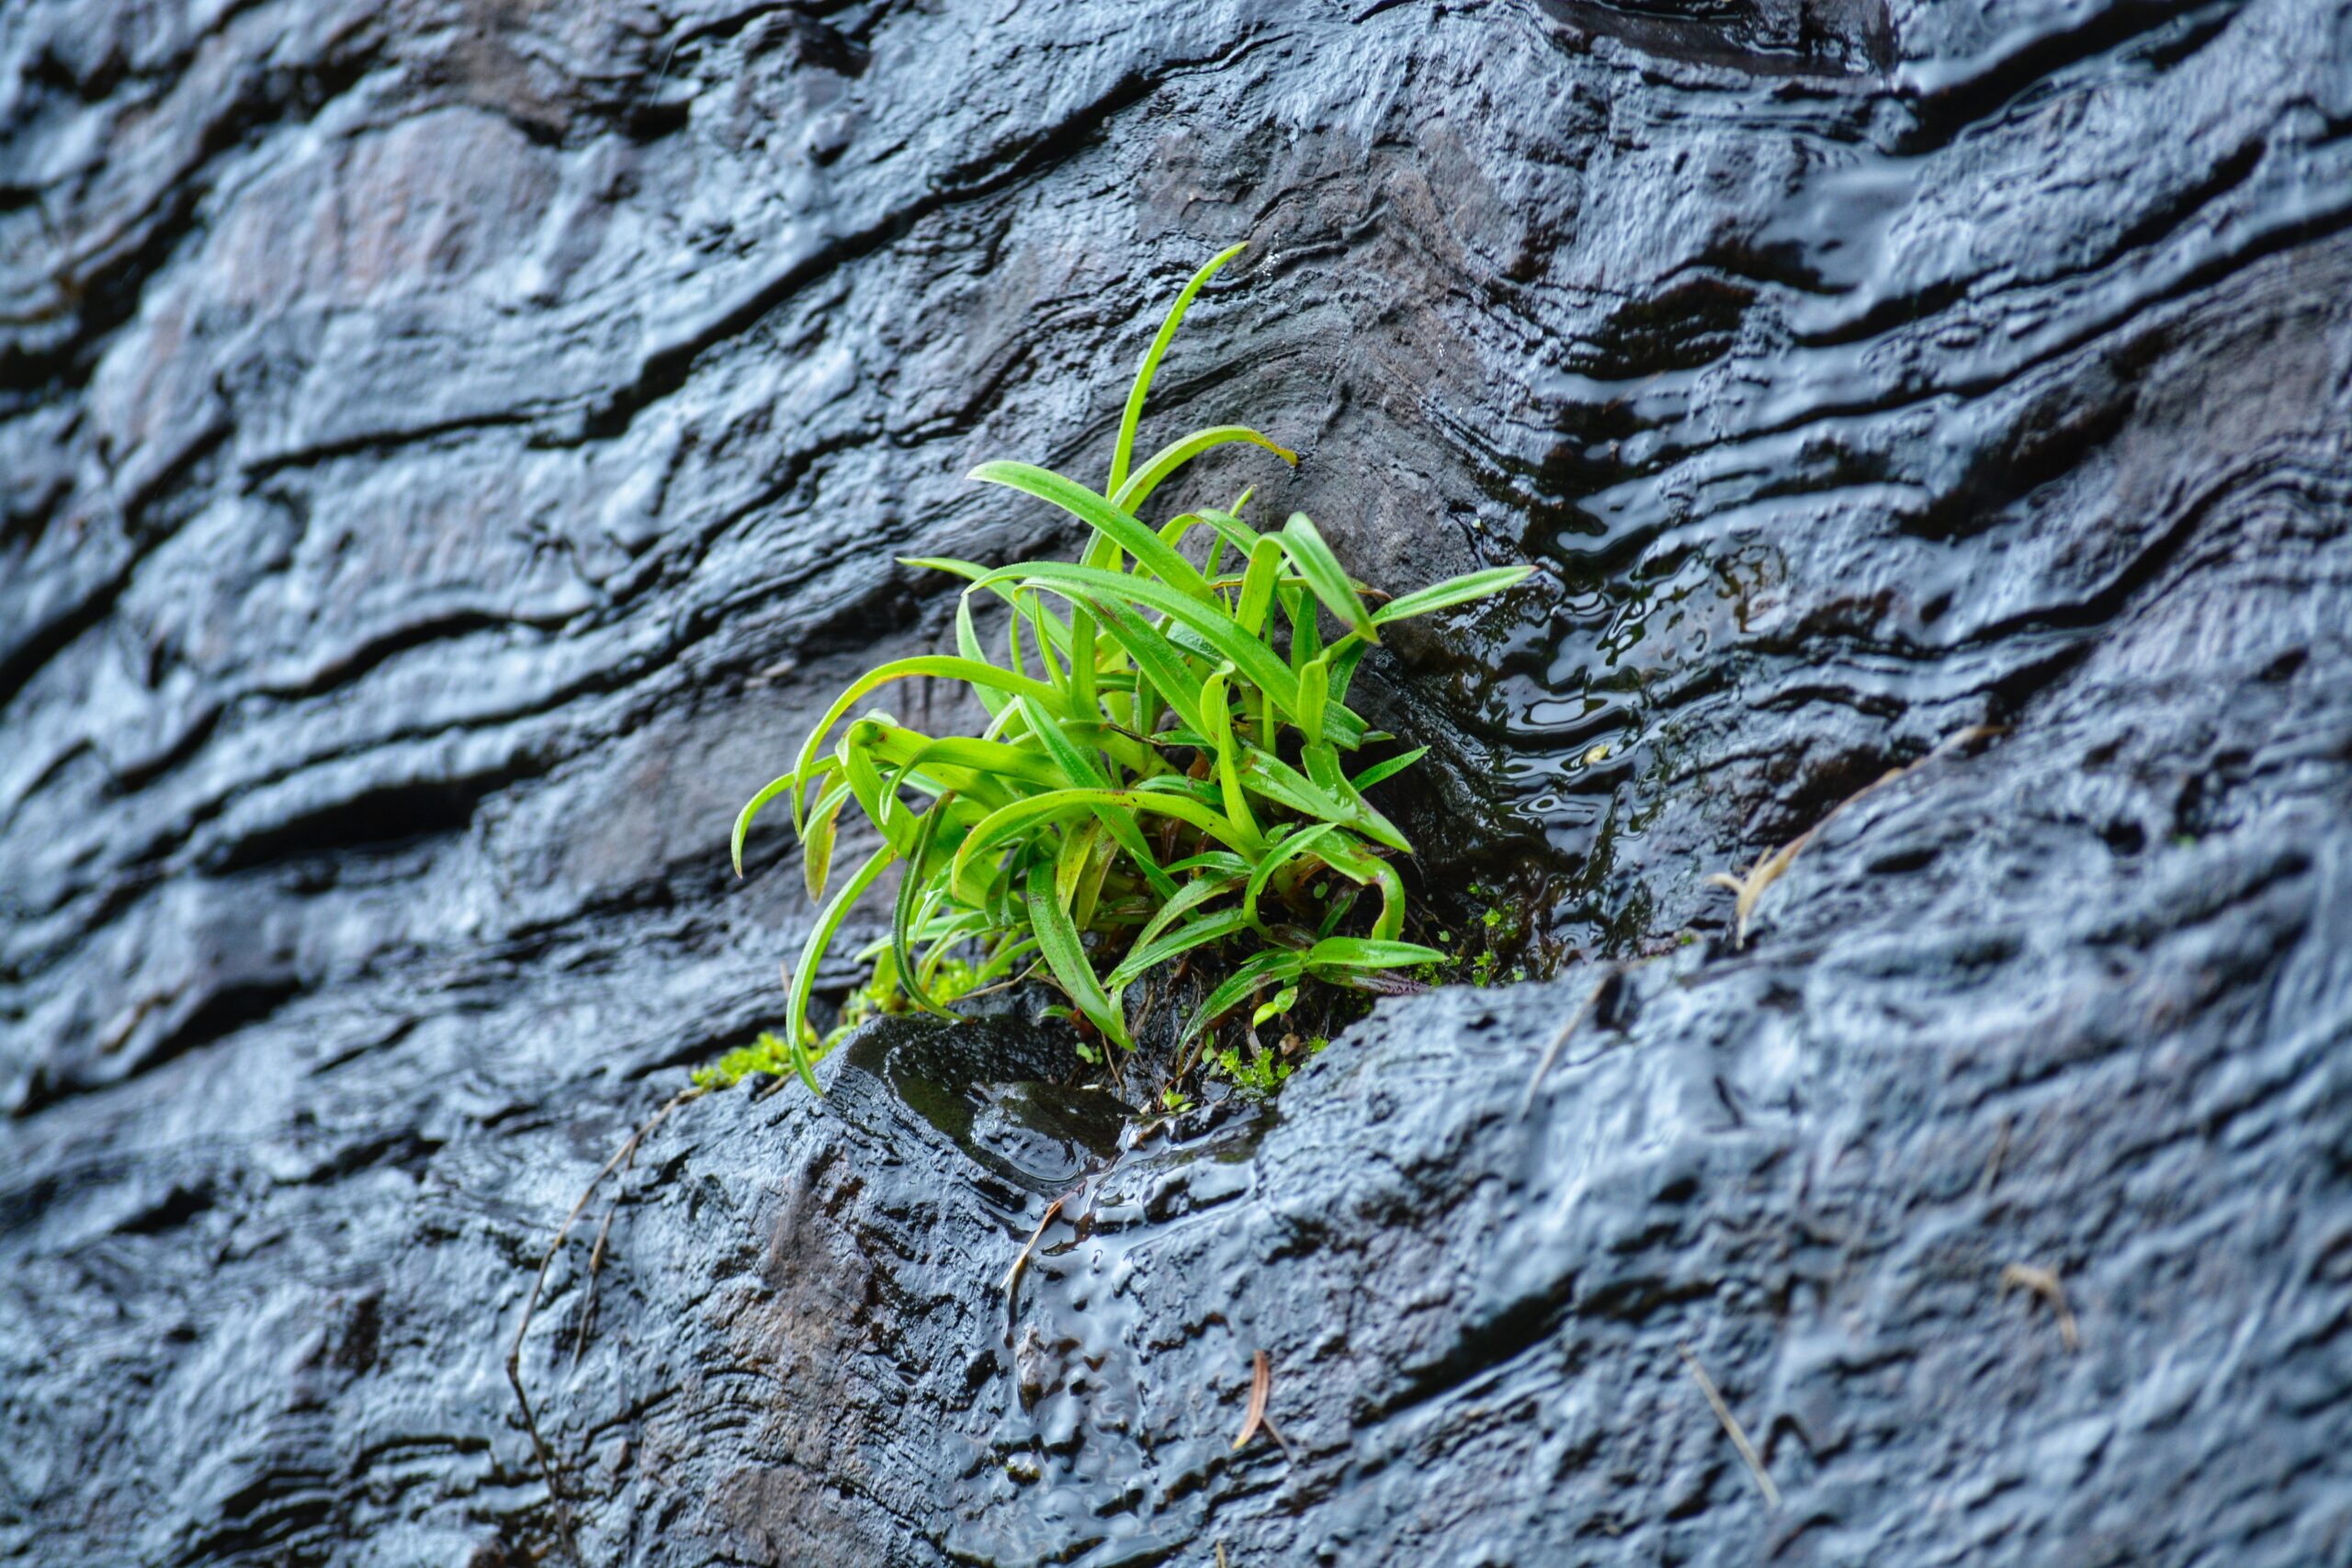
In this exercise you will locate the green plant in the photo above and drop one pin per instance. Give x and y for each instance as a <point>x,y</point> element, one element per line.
<point>1168,780</point>
<point>1261,1075</point>
<point>1496,926</point>
<point>879,996</point>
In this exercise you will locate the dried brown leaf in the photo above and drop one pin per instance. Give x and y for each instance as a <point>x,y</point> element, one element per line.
<point>2044,1282</point>
<point>1261,1383</point>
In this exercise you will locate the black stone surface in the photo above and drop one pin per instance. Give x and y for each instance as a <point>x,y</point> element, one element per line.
<point>452,450</point>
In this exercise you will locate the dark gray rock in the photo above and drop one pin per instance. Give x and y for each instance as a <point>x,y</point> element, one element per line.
<point>453,449</point>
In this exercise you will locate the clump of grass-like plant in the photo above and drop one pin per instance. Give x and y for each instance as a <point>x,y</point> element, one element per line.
<point>1163,773</point>
<point>1168,783</point>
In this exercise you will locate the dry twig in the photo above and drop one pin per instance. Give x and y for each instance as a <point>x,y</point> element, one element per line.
<point>596,1263</point>
<point>1262,1383</point>
<point>1747,889</point>
<point>1012,1275</point>
<point>1731,1425</point>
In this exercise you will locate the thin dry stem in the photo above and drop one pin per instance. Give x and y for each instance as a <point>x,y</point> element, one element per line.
<point>596,1263</point>
<point>547,1467</point>
<point>1749,889</point>
<point>1993,1165</point>
<point>1012,1275</point>
<point>1560,1041</point>
<point>1731,1425</point>
<point>596,1256</point>
<point>1110,1060</point>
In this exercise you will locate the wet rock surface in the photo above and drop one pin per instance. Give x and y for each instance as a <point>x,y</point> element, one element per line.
<point>452,450</point>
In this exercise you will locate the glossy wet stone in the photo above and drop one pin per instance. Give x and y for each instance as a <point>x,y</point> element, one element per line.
<point>452,451</point>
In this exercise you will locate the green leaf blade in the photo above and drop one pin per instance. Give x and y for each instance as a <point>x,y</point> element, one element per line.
<point>1065,956</point>
<point>768,792</point>
<point>1302,542</point>
<point>1267,968</point>
<point>1168,459</point>
<point>1133,415</point>
<point>1138,540</point>
<point>1451,592</point>
<point>812,952</point>
<point>1145,955</point>
<point>1290,849</point>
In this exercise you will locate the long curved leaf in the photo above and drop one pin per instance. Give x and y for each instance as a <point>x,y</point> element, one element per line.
<point>974,672</point>
<point>1069,865</point>
<point>768,792</point>
<point>1302,542</point>
<point>1138,540</point>
<point>1248,654</point>
<point>1323,769</point>
<point>1080,771</point>
<point>817,844</point>
<point>812,952</point>
<point>1265,969</point>
<point>1133,415</point>
<point>1362,952</point>
<point>963,762</point>
<point>1065,956</point>
<point>1344,656</point>
<point>1258,584</point>
<point>967,644</point>
<point>1216,863</point>
<point>1263,774</point>
<point>1069,760</point>
<point>903,914</point>
<point>1451,592</point>
<point>1175,454</point>
<point>1219,721</point>
<point>1290,849</point>
<point>1155,657</point>
<point>1306,627</point>
<point>1371,871</point>
<point>1193,893</point>
<point>1003,959</point>
<point>1143,955</point>
<point>1002,827</point>
<point>1389,769</point>
<point>1314,694</point>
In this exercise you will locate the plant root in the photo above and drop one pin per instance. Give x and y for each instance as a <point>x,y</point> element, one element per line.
<point>2044,1282</point>
<point>623,1155</point>
<point>596,1263</point>
<point>1732,1428</point>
